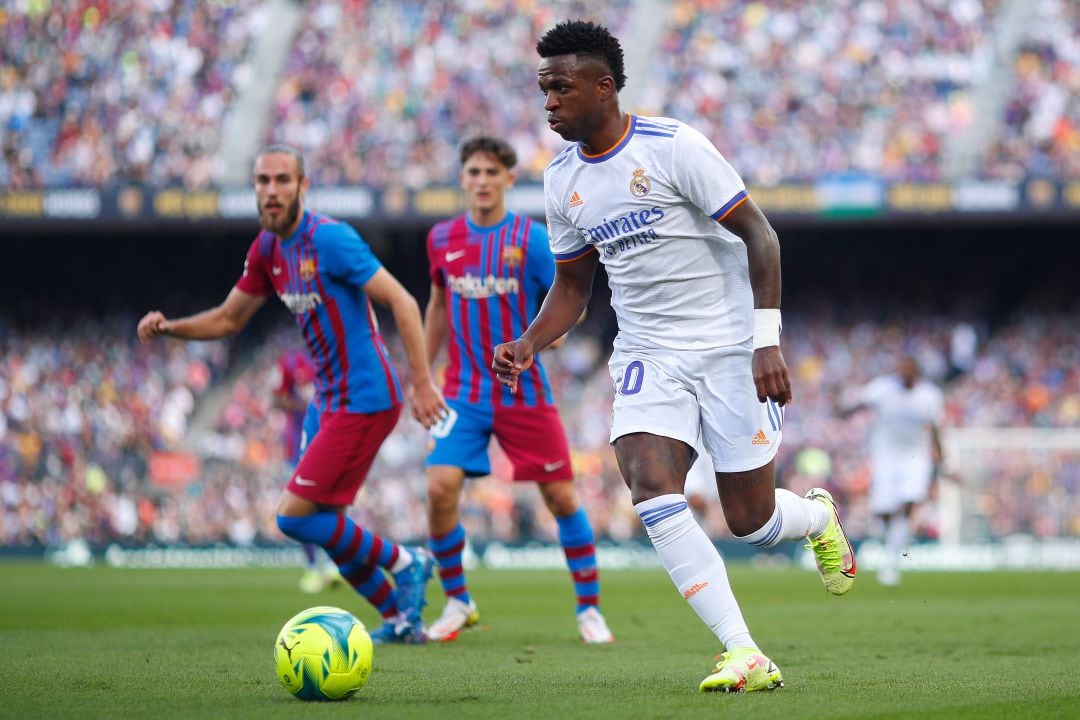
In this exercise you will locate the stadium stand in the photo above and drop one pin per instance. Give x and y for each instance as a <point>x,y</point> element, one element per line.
<point>788,91</point>
<point>1040,129</point>
<point>136,92</point>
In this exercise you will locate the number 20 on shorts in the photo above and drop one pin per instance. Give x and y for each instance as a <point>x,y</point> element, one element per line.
<point>632,378</point>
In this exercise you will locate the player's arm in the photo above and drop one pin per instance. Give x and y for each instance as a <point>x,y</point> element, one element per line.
<point>763,255</point>
<point>428,405</point>
<point>565,302</point>
<point>435,326</point>
<point>226,319</point>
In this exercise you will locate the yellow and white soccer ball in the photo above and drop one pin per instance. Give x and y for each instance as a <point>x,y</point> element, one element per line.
<point>323,653</point>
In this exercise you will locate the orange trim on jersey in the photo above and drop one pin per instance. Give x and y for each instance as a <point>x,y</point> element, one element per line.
<point>578,256</point>
<point>732,208</point>
<point>629,124</point>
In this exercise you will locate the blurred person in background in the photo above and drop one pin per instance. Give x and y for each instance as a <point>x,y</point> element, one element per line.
<point>905,450</point>
<point>489,270</point>
<point>327,276</point>
<point>293,395</point>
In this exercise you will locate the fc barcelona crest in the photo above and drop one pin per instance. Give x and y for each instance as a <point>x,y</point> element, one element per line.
<point>511,256</point>
<point>640,185</point>
<point>307,269</point>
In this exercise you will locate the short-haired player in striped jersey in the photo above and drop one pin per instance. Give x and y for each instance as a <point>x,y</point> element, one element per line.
<point>489,270</point>
<point>327,276</point>
<point>694,269</point>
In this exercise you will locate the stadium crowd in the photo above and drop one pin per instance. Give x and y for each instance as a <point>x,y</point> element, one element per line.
<point>80,418</point>
<point>99,92</point>
<point>788,91</point>
<point>1040,132</point>
<point>804,90</point>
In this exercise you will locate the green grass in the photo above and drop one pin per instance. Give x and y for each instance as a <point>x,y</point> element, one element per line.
<point>109,643</point>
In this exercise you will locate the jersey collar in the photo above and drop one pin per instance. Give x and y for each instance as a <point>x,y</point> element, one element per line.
<point>488,228</point>
<point>611,152</point>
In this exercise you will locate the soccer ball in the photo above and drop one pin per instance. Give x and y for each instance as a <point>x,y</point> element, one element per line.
<point>323,653</point>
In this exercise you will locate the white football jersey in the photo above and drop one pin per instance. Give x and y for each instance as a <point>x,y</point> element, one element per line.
<point>902,417</point>
<point>649,206</point>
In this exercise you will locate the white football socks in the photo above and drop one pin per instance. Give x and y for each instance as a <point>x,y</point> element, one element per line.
<point>897,528</point>
<point>793,518</point>
<point>695,566</point>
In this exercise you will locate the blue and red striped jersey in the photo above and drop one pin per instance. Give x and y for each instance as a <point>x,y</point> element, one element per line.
<point>319,272</point>
<point>493,279</point>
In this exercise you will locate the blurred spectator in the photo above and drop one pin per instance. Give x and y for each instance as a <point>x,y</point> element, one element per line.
<point>100,92</point>
<point>80,417</point>
<point>1040,133</point>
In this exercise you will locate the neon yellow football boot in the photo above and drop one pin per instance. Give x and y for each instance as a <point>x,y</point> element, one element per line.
<point>743,670</point>
<point>832,551</point>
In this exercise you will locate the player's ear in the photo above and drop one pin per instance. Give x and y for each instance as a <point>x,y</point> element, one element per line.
<point>606,87</point>
<point>512,179</point>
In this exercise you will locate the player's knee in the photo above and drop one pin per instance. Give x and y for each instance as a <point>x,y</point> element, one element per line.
<point>293,527</point>
<point>745,520</point>
<point>442,496</point>
<point>560,498</point>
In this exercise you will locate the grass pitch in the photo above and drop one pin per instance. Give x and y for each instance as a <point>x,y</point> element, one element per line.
<point>114,643</point>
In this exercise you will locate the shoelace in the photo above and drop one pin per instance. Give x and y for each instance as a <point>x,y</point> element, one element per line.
<point>827,551</point>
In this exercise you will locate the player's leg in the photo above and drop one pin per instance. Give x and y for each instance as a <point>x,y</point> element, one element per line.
<point>656,419</point>
<point>312,509</point>
<point>742,436</point>
<point>313,579</point>
<point>447,544</point>
<point>535,443</point>
<point>653,467</point>
<point>459,450</point>
<point>886,500</point>
<point>577,541</point>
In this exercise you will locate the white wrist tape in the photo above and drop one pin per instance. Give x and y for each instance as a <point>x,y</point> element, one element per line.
<point>767,327</point>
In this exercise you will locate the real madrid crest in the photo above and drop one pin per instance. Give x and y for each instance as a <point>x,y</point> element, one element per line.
<point>307,269</point>
<point>511,256</point>
<point>640,185</point>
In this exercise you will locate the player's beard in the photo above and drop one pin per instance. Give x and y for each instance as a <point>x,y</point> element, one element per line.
<point>284,222</point>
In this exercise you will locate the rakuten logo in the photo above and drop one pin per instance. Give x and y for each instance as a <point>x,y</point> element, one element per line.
<point>474,287</point>
<point>301,302</point>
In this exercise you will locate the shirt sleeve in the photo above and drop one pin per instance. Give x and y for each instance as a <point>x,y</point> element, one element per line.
<point>565,242</point>
<point>344,254</point>
<point>703,176</point>
<point>937,406</point>
<point>539,262</point>
<point>872,392</point>
<point>434,271</point>
<point>255,280</point>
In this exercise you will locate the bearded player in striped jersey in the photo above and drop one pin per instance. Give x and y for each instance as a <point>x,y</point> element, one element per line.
<point>327,276</point>
<point>489,270</point>
<point>694,269</point>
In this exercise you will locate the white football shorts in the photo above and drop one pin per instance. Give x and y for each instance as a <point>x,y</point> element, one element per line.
<point>681,393</point>
<point>896,481</point>
<point>701,480</point>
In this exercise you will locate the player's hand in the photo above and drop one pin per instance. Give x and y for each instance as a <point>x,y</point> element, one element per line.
<point>153,324</point>
<point>428,405</point>
<point>771,376</point>
<point>510,360</point>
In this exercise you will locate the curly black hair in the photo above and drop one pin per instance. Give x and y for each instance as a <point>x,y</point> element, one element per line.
<point>587,39</point>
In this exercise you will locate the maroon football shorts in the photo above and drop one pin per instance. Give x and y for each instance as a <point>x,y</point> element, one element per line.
<point>336,462</point>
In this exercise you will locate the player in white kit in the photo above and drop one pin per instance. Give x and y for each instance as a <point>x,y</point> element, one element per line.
<point>905,450</point>
<point>694,270</point>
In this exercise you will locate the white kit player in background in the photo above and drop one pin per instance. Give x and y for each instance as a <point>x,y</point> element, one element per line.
<point>905,452</point>
<point>694,271</point>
